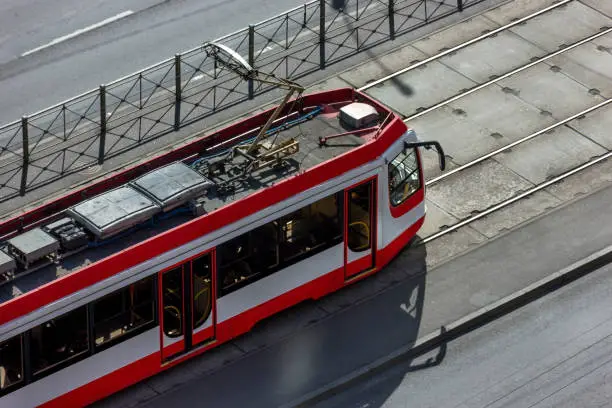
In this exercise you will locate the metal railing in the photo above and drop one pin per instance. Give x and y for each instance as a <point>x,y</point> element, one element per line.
<point>88,129</point>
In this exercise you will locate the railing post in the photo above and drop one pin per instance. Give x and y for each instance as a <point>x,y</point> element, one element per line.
<point>460,5</point>
<point>251,58</point>
<point>391,19</point>
<point>102,124</point>
<point>25,146</point>
<point>322,34</point>
<point>177,92</point>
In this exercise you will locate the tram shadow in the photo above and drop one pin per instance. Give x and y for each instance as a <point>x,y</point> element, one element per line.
<point>383,316</point>
<point>331,339</point>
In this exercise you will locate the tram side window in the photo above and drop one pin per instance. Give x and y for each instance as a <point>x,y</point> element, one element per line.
<point>310,229</point>
<point>277,244</point>
<point>403,176</point>
<point>11,363</point>
<point>264,242</point>
<point>124,311</point>
<point>59,340</point>
<point>248,257</point>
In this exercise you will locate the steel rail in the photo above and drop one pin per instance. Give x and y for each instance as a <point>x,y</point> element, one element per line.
<point>508,74</point>
<point>465,44</point>
<point>514,199</point>
<point>517,142</point>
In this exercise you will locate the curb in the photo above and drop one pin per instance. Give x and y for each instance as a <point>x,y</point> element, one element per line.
<point>462,326</point>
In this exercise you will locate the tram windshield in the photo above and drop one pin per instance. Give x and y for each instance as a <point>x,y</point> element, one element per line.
<point>404,177</point>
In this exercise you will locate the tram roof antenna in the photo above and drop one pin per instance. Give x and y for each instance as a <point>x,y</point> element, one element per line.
<point>233,61</point>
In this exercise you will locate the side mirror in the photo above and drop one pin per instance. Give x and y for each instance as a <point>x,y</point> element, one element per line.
<point>428,146</point>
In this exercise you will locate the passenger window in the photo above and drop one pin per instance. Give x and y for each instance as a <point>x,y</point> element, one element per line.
<point>310,229</point>
<point>11,363</point>
<point>403,176</point>
<point>59,340</point>
<point>264,256</point>
<point>326,218</point>
<point>296,238</point>
<point>172,288</point>
<point>277,244</point>
<point>249,257</point>
<point>124,311</point>
<point>202,291</point>
<point>236,265</point>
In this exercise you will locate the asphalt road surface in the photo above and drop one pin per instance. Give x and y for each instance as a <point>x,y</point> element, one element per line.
<point>73,46</point>
<point>555,352</point>
<point>26,25</point>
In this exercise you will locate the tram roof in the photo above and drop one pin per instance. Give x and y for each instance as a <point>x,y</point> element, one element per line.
<point>323,121</point>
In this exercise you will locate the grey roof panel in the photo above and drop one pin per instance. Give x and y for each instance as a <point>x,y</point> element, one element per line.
<point>115,211</point>
<point>172,185</point>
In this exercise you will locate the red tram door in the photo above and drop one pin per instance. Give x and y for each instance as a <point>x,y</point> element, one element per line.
<point>187,315</point>
<point>360,228</point>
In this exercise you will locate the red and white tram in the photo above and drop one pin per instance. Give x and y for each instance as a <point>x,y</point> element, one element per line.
<point>157,264</point>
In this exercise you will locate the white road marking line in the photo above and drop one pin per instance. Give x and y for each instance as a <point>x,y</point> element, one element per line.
<point>79,32</point>
<point>408,309</point>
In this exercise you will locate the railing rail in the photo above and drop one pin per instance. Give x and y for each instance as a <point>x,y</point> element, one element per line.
<point>90,128</point>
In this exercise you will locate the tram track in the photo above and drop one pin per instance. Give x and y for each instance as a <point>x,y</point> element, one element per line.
<point>497,79</point>
<point>509,146</point>
<point>524,139</point>
<point>522,194</point>
<point>465,44</point>
<point>563,48</point>
<point>519,196</point>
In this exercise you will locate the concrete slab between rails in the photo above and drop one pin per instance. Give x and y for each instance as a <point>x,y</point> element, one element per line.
<point>463,325</point>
